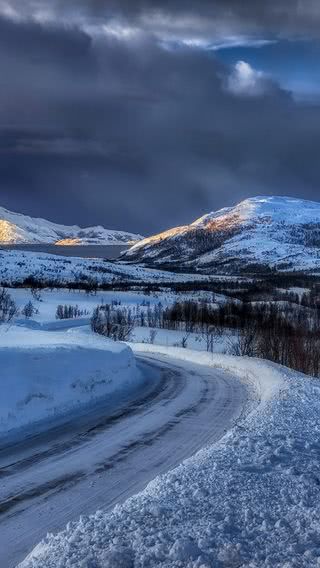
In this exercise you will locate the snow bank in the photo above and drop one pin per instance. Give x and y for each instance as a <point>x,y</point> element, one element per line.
<point>45,374</point>
<point>250,501</point>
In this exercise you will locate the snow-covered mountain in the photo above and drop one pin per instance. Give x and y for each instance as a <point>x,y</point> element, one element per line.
<point>21,229</point>
<point>259,233</point>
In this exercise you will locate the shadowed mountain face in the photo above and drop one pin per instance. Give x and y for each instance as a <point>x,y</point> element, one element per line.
<point>258,234</point>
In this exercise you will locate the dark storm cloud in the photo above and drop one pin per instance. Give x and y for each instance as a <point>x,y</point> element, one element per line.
<point>129,134</point>
<point>201,17</point>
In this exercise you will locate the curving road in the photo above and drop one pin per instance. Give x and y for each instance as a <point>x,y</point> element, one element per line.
<point>103,457</point>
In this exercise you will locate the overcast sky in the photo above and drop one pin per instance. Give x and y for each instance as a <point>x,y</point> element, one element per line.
<point>144,114</point>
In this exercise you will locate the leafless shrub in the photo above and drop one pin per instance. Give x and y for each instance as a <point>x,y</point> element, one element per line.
<point>246,343</point>
<point>36,293</point>
<point>184,341</point>
<point>8,308</point>
<point>152,336</point>
<point>115,323</point>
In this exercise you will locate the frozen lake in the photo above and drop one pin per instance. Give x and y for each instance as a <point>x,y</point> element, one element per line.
<point>91,251</point>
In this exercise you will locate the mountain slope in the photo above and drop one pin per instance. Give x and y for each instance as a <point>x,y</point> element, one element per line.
<point>257,234</point>
<point>21,229</point>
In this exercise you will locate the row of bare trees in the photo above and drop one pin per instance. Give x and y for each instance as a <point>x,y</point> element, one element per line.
<point>285,336</point>
<point>70,312</point>
<point>114,322</point>
<point>279,341</point>
<point>270,331</point>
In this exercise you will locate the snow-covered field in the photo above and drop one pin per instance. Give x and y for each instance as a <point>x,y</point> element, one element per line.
<point>250,500</point>
<point>45,319</point>
<point>50,299</point>
<point>16,266</point>
<point>45,375</point>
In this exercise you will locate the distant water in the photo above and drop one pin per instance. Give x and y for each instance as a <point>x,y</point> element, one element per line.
<point>109,252</point>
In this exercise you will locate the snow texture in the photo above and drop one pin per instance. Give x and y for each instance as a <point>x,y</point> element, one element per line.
<point>252,500</point>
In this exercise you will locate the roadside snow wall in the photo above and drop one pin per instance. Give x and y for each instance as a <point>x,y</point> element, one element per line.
<point>45,374</point>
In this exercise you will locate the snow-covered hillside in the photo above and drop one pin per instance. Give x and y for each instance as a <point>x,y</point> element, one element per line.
<point>21,229</point>
<point>257,234</point>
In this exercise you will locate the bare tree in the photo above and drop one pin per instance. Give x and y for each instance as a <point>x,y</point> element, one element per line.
<point>184,341</point>
<point>211,334</point>
<point>8,308</point>
<point>152,336</point>
<point>29,310</point>
<point>36,293</point>
<point>246,343</point>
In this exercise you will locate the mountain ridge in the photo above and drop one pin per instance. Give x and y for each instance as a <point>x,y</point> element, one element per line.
<point>259,233</point>
<point>17,228</point>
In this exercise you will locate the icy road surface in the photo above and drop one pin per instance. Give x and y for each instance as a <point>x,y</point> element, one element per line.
<point>97,461</point>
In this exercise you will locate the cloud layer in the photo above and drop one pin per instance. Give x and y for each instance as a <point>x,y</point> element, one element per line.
<point>204,18</point>
<point>102,120</point>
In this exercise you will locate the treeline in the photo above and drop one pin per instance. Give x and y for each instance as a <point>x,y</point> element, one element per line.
<point>273,287</point>
<point>290,338</point>
<point>197,316</point>
<point>267,331</point>
<point>194,316</point>
<point>282,342</point>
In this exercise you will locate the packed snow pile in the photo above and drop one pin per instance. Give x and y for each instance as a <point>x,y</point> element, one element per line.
<point>45,375</point>
<point>259,233</point>
<point>251,500</point>
<point>16,228</point>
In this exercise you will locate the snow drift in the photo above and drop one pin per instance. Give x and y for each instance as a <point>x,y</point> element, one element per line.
<point>45,374</point>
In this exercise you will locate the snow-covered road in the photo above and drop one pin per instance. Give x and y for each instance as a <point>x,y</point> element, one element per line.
<point>98,460</point>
